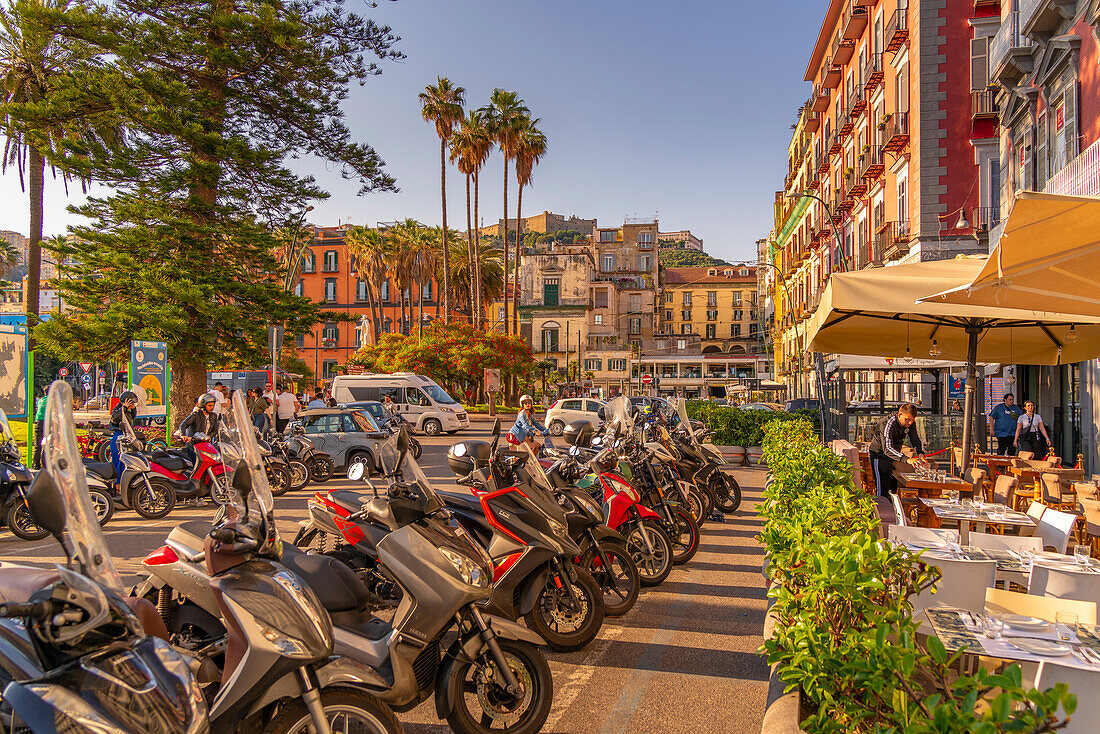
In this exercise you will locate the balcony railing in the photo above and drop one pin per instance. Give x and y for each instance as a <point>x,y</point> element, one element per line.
<point>842,50</point>
<point>857,102</point>
<point>831,76</point>
<point>984,103</point>
<point>872,73</point>
<point>1081,177</point>
<point>1044,16</point>
<point>892,240</point>
<point>986,218</point>
<point>855,20</point>
<point>872,163</point>
<point>895,135</point>
<point>897,28</point>
<point>1010,51</point>
<point>821,98</point>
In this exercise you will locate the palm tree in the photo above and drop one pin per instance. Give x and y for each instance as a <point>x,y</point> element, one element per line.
<point>371,250</point>
<point>441,105</point>
<point>505,111</point>
<point>530,147</point>
<point>33,59</point>
<point>426,255</point>
<point>470,146</point>
<point>402,262</point>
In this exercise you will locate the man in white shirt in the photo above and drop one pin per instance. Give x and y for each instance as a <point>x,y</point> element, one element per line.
<point>286,407</point>
<point>219,398</point>
<point>270,395</point>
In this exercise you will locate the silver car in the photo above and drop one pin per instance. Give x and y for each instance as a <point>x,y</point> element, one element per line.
<point>347,435</point>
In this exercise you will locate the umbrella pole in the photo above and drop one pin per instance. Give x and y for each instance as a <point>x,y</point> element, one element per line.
<point>972,333</point>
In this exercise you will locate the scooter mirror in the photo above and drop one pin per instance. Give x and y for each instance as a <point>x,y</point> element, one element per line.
<point>496,436</point>
<point>242,479</point>
<point>46,506</point>
<point>356,471</point>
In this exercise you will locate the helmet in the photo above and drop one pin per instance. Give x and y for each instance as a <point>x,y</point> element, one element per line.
<point>578,433</point>
<point>128,395</point>
<point>205,400</point>
<point>525,398</point>
<point>464,457</point>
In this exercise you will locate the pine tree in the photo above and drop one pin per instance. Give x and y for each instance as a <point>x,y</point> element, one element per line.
<point>216,97</point>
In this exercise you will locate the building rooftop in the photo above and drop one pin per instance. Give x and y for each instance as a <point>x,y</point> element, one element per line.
<point>710,274</point>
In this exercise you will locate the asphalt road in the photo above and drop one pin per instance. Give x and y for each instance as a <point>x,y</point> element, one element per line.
<point>683,660</point>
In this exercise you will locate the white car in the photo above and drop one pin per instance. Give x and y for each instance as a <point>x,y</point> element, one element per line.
<point>565,411</point>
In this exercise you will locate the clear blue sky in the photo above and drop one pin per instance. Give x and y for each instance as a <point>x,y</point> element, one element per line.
<point>681,109</point>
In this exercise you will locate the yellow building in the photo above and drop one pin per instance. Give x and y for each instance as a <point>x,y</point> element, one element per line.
<point>719,303</point>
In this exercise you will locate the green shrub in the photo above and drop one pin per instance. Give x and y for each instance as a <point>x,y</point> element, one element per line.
<point>844,634</point>
<point>737,427</point>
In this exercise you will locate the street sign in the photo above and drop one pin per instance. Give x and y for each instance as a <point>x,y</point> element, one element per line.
<point>63,372</point>
<point>647,379</point>
<point>102,374</point>
<point>86,366</point>
<point>492,380</point>
<point>87,380</point>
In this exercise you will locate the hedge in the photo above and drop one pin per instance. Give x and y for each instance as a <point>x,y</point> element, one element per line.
<point>736,427</point>
<point>845,634</point>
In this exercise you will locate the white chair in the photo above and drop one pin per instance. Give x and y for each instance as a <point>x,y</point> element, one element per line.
<point>924,537</point>
<point>1006,542</point>
<point>1043,607</point>
<point>1054,528</point>
<point>1084,684</point>
<point>1035,511</point>
<point>1060,582</point>
<point>899,511</point>
<point>962,586</point>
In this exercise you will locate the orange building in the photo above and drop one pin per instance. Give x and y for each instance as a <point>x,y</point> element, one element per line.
<point>328,277</point>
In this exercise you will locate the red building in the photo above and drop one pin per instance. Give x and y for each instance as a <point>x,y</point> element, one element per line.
<point>328,277</point>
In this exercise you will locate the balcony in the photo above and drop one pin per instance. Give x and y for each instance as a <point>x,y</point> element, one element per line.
<point>821,98</point>
<point>986,218</point>
<point>1038,17</point>
<point>1010,53</point>
<point>1081,177</point>
<point>897,28</point>
<point>830,77</point>
<point>857,103</point>
<point>872,163</point>
<point>835,145</point>
<point>892,240</point>
<point>845,125</point>
<point>872,74</point>
<point>330,268</point>
<point>842,50</point>
<point>813,122</point>
<point>855,21</point>
<point>895,135</point>
<point>855,185</point>
<point>983,104</point>
<point>821,169</point>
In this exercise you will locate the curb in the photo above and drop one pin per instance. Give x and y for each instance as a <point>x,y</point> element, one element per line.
<point>782,712</point>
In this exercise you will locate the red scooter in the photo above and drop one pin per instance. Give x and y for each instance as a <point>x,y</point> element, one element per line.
<point>623,511</point>
<point>194,479</point>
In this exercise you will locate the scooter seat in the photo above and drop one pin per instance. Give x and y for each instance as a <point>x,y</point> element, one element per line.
<point>336,585</point>
<point>351,500</point>
<point>104,470</point>
<point>172,463</point>
<point>17,582</point>
<point>459,499</point>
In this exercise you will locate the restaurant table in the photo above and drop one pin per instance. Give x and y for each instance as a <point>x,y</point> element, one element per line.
<point>1010,564</point>
<point>961,628</point>
<point>996,463</point>
<point>1030,474</point>
<point>911,488</point>
<point>968,515</point>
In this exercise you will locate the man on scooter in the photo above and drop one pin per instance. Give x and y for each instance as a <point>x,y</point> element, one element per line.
<point>127,405</point>
<point>203,420</point>
<point>526,426</point>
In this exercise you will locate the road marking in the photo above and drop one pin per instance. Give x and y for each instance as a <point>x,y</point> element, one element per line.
<point>578,679</point>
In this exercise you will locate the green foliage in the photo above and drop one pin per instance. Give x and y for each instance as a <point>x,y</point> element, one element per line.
<point>676,258</point>
<point>734,426</point>
<point>565,236</point>
<point>845,634</point>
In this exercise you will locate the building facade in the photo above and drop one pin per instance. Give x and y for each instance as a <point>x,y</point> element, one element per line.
<point>546,222</point>
<point>892,160</point>
<point>719,303</point>
<point>682,239</point>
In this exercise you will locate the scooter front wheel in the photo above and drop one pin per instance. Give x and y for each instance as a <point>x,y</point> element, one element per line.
<point>483,705</point>
<point>220,489</point>
<point>565,624</point>
<point>21,524</point>
<point>727,492</point>
<point>320,469</point>
<point>651,550</point>
<point>346,710</point>
<point>153,501</point>
<point>619,579</point>
<point>299,473</point>
<point>103,504</point>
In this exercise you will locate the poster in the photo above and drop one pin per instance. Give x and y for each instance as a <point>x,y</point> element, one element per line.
<point>149,376</point>
<point>13,370</point>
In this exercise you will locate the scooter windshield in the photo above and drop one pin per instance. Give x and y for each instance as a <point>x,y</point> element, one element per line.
<point>534,468</point>
<point>6,434</point>
<point>681,411</point>
<point>61,461</point>
<point>239,444</point>
<point>128,430</point>
<point>618,411</point>
<point>410,470</point>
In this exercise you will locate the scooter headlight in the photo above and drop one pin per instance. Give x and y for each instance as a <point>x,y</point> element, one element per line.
<point>590,504</point>
<point>286,645</point>
<point>470,572</point>
<point>558,528</point>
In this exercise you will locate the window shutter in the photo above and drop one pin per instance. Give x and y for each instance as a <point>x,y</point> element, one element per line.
<point>979,64</point>
<point>1041,158</point>
<point>1070,125</point>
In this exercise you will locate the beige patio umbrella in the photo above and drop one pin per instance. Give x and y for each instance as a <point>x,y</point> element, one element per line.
<point>875,312</point>
<point>1047,259</point>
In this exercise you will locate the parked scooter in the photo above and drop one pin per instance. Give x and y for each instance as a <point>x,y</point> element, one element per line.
<point>194,478</point>
<point>292,449</point>
<point>273,640</point>
<point>491,678</point>
<point>141,488</point>
<point>76,655</point>
<point>702,463</point>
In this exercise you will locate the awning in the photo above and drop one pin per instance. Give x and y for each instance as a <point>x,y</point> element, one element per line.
<point>885,364</point>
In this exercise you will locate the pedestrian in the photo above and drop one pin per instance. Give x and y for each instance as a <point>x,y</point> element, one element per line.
<point>888,451</point>
<point>318,400</point>
<point>257,409</point>
<point>39,427</point>
<point>1031,433</point>
<point>218,393</point>
<point>124,412</point>
<point>1002,424</point>
<point>286,407</point>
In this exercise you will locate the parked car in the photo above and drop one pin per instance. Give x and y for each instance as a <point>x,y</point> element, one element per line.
<point>802,404</point>
<point>376,410</point>
<point>758,406</point>
<point>565,411</point>
<point>346,434</point>
<point>658,404</point>
<point>99,402</point>
<point>419,399</point>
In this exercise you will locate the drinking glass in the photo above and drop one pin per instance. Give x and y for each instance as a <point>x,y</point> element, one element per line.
<point>1081,554</point>
<point>1066,623</point>
<point>993,625</point>
<point>1027,557</point>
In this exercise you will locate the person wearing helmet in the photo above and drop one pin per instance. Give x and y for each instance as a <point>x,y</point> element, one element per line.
<point>526,426</point>
<point>204,419</point>
<point>127,406</point>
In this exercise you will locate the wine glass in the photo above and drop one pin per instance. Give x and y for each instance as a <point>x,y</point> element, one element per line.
<point>1082,554</point>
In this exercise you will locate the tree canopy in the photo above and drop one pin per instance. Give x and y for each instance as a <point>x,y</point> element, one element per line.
<point>685,258</point>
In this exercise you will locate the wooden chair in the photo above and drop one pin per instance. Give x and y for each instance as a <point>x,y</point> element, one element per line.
<point>1004,490</point>
<point>1025,455</point>
<point>1058,493</point>
<point>1084,683</point>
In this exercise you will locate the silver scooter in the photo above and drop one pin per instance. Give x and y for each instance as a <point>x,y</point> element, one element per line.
<point>493,670</point>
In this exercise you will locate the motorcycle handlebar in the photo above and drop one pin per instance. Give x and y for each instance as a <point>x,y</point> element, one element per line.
<point>40,610</point>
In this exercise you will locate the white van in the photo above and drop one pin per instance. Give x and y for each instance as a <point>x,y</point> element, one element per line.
<point>422,402</point>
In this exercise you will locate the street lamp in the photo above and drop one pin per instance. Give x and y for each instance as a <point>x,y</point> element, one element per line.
<point>832,222</point>
<point>293,259</point>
